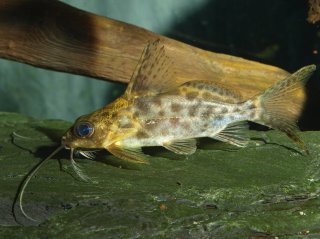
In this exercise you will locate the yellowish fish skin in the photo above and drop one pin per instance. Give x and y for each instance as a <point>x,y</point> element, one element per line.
<point>173,116</point>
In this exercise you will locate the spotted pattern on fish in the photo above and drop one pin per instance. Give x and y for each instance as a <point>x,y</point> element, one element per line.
<point>192,95</point>
<point>141,134</point>
<point>175,107</point>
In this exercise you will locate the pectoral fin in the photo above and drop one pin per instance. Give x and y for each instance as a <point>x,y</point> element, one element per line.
<point>134,155</point>
<point>234,134</point>
<point>182,146</point>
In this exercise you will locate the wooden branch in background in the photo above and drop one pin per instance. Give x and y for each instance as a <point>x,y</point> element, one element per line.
<point>314,11</point>
<point>51,34</point>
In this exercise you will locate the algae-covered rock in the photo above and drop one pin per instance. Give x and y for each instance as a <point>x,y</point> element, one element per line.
<point>266,190</point>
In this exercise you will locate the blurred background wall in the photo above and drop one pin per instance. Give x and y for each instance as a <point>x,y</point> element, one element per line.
<point>270,31</point>
<point>47,94</point>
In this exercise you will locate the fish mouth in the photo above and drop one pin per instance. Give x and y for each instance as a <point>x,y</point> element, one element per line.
<point>67,144</point>
<point>86,152</point>
<point>64,143</point>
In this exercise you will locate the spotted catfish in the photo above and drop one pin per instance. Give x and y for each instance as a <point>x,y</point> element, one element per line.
<point>158,110</point>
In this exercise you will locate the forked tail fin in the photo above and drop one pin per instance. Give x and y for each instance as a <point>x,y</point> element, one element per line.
<point>275,108</point>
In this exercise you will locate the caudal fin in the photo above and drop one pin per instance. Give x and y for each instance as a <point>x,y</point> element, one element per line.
<point>275,107</point>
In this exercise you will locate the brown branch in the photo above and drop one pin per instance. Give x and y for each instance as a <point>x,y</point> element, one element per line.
<point>314,11</point>
<point>51,34</point>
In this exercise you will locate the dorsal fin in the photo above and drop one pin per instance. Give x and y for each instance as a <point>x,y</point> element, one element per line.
<point>211,91</point>
<point>154,73</point>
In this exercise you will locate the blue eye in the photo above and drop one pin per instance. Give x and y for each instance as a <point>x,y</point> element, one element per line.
<point>83,130</point>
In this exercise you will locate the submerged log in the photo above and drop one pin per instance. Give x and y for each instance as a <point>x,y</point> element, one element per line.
<point>54,35</point>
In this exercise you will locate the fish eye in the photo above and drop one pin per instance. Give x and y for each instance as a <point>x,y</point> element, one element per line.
<point>83,129</point>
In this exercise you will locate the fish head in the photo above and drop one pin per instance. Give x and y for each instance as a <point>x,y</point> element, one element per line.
<point>96,130</point>
<point>89,131</point>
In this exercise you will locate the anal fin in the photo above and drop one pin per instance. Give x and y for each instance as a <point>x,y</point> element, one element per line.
<point>234,134</point>
<point>182,146</point>
<point>134,155</point>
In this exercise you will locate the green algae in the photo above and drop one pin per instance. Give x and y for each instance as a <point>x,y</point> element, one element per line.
<point>266,190</point>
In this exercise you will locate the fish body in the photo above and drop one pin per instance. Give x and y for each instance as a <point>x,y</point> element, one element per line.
<point>186,113</point>
<point>158,109</point>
